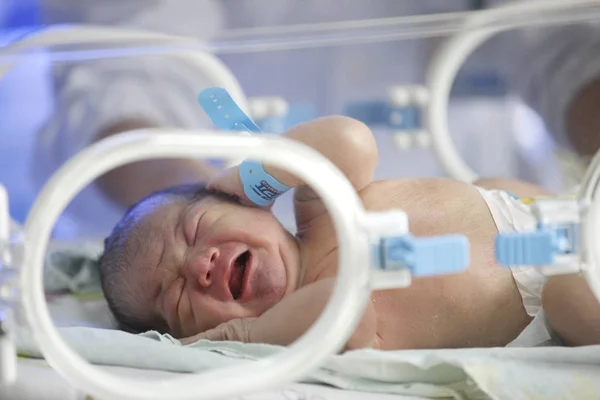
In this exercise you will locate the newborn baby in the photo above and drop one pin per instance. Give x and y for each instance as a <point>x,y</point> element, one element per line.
<point>207,262</point>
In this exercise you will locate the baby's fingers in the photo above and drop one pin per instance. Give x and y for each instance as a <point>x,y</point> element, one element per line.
<point>189,340</point>
<point>216,334</point>
<point>237,330</point>
<point>208,335</point>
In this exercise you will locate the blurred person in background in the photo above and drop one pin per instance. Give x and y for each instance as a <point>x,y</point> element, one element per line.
<point>556,77</point>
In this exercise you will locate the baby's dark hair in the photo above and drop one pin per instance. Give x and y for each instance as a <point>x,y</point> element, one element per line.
<point>120,248</point>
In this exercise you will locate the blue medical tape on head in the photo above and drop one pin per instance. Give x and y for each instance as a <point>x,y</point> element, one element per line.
<point>224,112</point>
<point>260,187</point>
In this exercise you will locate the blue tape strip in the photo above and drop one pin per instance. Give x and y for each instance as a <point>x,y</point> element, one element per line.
<point>260,187</point>
<point>223,111</point>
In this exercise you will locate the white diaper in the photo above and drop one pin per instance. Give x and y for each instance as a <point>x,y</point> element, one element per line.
<point>511,215</point>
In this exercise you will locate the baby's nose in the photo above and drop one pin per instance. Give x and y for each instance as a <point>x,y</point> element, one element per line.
<point>206,266</point>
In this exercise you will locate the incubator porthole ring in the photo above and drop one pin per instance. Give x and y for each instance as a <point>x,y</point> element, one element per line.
<point>440,77</point>
<point>445,65</point>
<point>341,315</point>
<point>591,236</point>
<point>208,65</point>
<point>589,200</point>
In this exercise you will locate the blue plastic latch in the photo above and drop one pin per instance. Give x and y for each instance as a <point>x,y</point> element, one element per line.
<point>380,113</point>
<point>405,118</point>
<point>539,248</point>
<point>297,114</point>
<point>436,255</point>
<point>224,112</point>
<point>525,248</point>
<point>369,112</point>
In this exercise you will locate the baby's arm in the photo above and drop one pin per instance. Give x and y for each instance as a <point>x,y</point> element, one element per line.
<point>347,143</point>
<point>289,319</point>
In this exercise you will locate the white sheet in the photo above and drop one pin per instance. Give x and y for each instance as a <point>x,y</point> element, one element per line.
<point>506,373</point>
<point>51,386</point>
<point>502,373</point>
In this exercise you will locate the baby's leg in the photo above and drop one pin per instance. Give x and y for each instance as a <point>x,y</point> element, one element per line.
<point>572,310</point>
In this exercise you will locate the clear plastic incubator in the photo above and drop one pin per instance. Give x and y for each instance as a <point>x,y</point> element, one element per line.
<point>463,89</point>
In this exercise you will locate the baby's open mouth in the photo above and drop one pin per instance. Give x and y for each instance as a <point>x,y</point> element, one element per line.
<point>236,281</point>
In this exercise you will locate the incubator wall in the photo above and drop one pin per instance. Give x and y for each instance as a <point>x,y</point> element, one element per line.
<point>285,62</point>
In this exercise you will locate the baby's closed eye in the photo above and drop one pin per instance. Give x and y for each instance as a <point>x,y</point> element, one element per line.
<point>226,196</point>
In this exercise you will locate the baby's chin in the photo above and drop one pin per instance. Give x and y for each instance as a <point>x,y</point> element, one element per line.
<point>269,285</point>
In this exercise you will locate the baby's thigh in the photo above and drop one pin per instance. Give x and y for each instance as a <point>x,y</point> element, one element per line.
<point>482,306</point>
<point>572,310</point>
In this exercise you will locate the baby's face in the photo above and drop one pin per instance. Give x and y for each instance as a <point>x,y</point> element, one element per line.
<point>203,264</point>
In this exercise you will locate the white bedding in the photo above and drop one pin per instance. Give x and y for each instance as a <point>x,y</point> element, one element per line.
<point>50,386</point>
<point>36,380</point>
<point>505,373</point>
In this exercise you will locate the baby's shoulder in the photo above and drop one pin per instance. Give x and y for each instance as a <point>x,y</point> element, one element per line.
<point>381,195</point>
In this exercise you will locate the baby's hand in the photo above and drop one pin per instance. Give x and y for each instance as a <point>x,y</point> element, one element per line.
<point>236,330</point>
<point>229,182</point>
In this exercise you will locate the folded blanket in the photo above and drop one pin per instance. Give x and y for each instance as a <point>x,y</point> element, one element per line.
<point>73,267</point>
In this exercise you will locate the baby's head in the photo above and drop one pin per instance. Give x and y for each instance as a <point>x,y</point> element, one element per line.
<point>184,260</point>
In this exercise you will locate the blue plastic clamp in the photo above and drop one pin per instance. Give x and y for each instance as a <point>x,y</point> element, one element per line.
<point>436,255</point>
<point>539,248</point>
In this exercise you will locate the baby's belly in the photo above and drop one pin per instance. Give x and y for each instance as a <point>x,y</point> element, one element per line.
<point>449,312</point>
<point>480,307</point>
